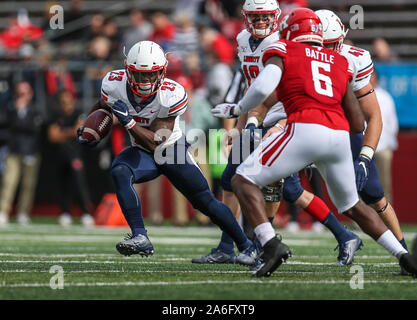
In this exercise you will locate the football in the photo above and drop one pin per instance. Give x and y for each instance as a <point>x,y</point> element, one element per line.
<point>97,125</point>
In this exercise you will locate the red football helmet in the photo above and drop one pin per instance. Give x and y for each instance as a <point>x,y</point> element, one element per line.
<point>302,25</point>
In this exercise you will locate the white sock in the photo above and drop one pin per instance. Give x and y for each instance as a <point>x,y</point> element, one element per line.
<point>264,232</point>
<point>391,244</point>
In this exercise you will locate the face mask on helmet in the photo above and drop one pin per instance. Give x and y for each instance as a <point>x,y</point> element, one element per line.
<point>144,83</point>
<point>335,44</point>
<point>334,31</point>
<point>261,24</point>
<point>145,66</point>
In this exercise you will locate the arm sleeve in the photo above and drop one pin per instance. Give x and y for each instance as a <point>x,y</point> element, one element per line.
<point>236,89</point>
<point>261,88</point>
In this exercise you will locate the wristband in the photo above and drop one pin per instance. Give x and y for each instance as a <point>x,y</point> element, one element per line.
<point>131,124</point>
<point>279,126</point>
<point>253,120</point>
<point>367,152</point>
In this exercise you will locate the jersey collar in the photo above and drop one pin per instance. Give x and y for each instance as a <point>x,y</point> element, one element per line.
<point>138,106</point>
<point>254,43</point>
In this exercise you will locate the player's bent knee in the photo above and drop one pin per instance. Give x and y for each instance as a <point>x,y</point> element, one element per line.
<point>237,181</point>
<point>380,206</point>
<point>226,182</point>
<point>121,173</point>
<point>292,190</point>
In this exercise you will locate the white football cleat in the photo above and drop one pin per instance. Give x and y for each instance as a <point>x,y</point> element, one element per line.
<point>4,219</point>
<point>65,219</point>
<point>87,220</point>
<point>292,227</point>
<point>317,227</point>
<point>23,218</point>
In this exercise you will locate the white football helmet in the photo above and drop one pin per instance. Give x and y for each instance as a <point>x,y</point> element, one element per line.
<point>333,28</point>
<point>256,14</point>
<point>145,65</point>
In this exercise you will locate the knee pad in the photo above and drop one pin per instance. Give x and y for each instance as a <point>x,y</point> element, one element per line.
<point>273,193</point>
<point>292,189</point>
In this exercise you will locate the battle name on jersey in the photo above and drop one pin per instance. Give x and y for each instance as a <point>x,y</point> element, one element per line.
<point>318,55</point>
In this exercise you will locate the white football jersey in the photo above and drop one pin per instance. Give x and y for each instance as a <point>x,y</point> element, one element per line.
<point>169,101</point>
<point>251,64</point>
<point>360,63</point>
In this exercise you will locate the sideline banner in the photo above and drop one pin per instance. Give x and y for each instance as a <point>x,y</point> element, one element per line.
<point>400,80</point>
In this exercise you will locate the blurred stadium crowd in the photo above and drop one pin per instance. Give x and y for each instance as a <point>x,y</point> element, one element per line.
<point>51,77</point>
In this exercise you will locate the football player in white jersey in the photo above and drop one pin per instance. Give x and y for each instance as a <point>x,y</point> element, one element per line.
<point>144,102</point>
<point>261,18</point>
<point>363,145</point>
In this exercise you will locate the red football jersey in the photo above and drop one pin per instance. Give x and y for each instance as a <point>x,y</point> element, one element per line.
<point>313,83</point>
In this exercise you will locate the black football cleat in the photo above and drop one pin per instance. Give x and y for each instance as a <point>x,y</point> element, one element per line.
<point>135,245</point>
<point>414,249</point>
<point>275,253</point>
<point>215,256</point>
<point>408,262</point>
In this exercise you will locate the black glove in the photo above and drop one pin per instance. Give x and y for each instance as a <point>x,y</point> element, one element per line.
<point>121,111</point>
<point>83,141</point>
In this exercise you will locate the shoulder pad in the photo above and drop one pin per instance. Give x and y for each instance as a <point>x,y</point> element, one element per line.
<point>278,48</point>
<point>242,35</point>
<point>112,85</point>
<point>360,62</point>
<point>173,99</point>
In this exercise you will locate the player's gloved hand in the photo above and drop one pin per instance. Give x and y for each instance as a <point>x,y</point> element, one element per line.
<point>226,110</point>
<point>361,164</point>
<point>121,111</point>
<point>83,141</point>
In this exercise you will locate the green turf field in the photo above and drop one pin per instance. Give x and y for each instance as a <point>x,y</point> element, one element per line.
<point>93,269</point>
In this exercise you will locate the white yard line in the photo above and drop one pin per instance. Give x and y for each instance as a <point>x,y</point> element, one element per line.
<point>173,256</point>
<point>171,230</point>
<point>206,282</point>
<point>193,271</point>
<point>156,240</point>
<point>159,261</point>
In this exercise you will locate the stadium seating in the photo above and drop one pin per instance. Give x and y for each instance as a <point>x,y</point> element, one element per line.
<point>391,19</point>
